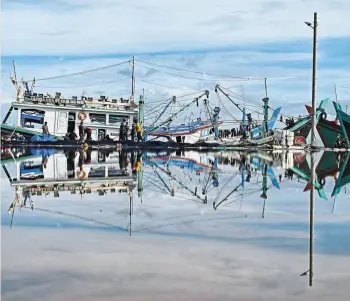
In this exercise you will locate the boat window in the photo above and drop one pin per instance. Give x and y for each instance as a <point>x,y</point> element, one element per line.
<point>115,118</point>
<point>32,118</point>
<point>97,172</point>
<point>97,118</point>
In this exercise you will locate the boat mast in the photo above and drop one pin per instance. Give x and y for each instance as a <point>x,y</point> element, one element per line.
<point>141,110</point>
<point>266,109</point>
<point>335,92</point>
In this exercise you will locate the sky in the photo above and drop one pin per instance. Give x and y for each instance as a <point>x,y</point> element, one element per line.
<point>177,245</point>
<point>255,39</point>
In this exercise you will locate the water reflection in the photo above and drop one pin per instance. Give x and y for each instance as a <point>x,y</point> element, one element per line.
<point>249,198</point>
<point>203,178</point>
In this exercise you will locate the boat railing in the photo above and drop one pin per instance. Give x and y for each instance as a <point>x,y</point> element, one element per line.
<point>84,102</point>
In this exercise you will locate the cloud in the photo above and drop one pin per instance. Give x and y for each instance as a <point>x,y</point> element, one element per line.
<point>106,27</point>
<point>244,39</point>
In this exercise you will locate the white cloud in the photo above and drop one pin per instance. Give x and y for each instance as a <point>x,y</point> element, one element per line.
<point>144,27</point>
<point>78,27</point>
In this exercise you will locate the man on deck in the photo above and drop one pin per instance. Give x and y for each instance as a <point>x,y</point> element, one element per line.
<point>45,128</point>
<point>138,131</point>
<point>121,131</point>
<point>132,132</point>
<point>72,136</point>
<point>81,131</point>
<point>88,132</point>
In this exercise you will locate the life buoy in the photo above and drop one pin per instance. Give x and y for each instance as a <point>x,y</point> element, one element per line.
<point>82,116</point>
<point>323,116</point>
<point>82,174</point>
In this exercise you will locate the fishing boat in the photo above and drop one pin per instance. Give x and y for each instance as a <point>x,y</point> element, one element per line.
<point>63,115</point>
<point>330,131</point>
<point>344,120</point>
<point>302,127</point>
<point>250,132</point>
<point>195,131</point>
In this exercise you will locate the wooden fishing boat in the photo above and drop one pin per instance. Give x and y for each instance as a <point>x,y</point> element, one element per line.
<point>344,120</point>
<point>302,127</point>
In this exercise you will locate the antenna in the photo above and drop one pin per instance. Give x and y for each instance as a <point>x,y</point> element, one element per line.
<point>335,92</point>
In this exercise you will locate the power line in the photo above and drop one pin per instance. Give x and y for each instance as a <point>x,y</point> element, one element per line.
<point>78,73</point>
<point>80,86</point>
<point>160,85</point>
<point>199,72</point>
<point>189,77</point>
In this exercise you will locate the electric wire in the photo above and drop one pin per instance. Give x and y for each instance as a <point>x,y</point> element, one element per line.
<point>79,73</point>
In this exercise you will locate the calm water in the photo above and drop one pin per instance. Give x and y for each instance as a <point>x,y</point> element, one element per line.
<point>93,225</point>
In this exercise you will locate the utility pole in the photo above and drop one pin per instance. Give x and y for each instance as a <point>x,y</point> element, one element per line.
<point>313,117</point>
<point>133,79</point>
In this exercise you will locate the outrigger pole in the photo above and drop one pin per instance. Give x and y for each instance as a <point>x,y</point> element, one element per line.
<point>173,100</point>
<point>168,120</point>
<point>217,87</point>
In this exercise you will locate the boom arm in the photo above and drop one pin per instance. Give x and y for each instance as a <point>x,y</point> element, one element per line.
<point>206,93</point>
<point>217,88</point>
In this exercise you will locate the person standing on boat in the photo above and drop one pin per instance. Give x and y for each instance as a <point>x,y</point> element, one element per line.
<point>121,131</point>
<point>132,132</point>
<point>81,131</point>
<point>45,128</point>
<point>138,131</point>
<point>88,132</point>
<point>72,136</point>
<point>126,131</point>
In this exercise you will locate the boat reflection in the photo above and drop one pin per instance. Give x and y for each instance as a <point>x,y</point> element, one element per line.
<point>202,178</point>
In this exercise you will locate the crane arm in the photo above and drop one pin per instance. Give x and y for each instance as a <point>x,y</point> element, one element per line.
<point>218,88</point>
<point>206,93</point>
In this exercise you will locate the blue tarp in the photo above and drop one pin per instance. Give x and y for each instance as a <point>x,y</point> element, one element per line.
<point>45,152</point>
<point>38,118</point>
<point>43,138</point>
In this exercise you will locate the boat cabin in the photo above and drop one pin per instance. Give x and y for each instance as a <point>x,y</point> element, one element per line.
<point>63,116</point>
